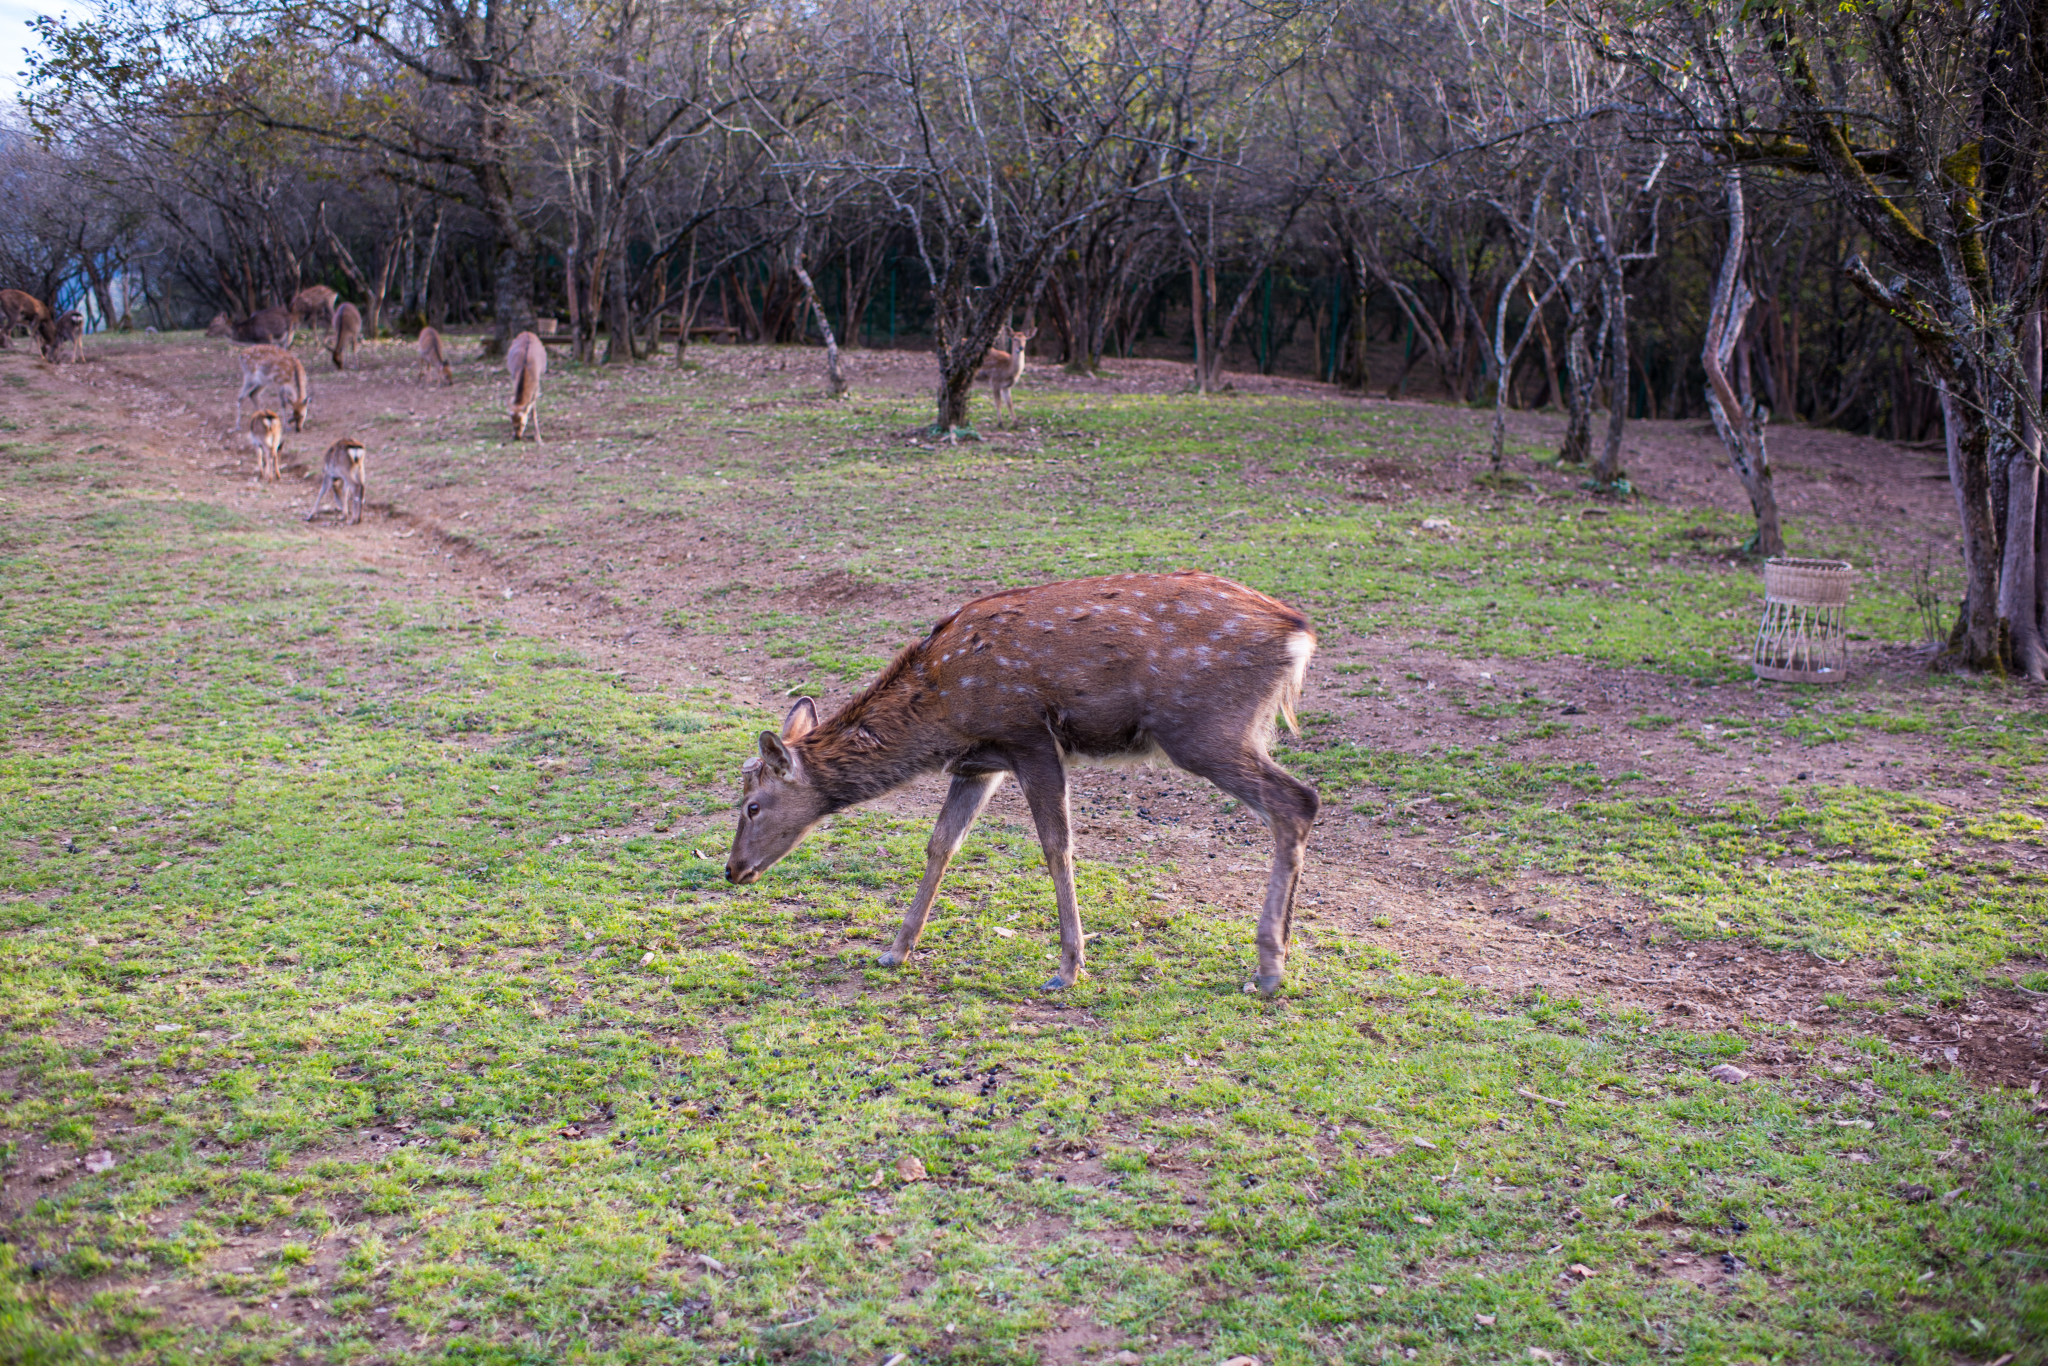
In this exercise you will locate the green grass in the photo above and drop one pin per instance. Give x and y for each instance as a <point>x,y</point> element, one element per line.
<point>334,924</point>
<point>1834,869</point>
<point>1252,487</point>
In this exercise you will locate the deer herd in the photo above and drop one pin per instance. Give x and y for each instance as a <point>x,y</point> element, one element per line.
<point>1184,668</point>
<point>267,362</point>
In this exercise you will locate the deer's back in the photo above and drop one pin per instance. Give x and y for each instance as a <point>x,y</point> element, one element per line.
<point>1111,664</point>
<point>527,350</point>
<point>272,364</point>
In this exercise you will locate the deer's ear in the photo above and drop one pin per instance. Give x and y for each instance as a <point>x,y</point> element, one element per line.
<point>775,757</point>
<point>801,721</point>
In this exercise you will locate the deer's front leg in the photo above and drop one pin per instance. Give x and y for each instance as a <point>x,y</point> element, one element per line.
<point>965,800</point>
<point>1044,779</point>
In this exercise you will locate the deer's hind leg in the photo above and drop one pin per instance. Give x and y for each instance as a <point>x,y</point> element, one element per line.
<point>965,801</point>
<point>1288,806</point>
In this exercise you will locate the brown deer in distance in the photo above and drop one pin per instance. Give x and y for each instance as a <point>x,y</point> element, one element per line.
<point>313,307</point>
<point>526,360</point>
<point>276,367</point>
<point>348,334</point>
<point>269,327</point>
<point>265,434</point>
<point>1184,667</point>
<point>341,475</point>
<point>18,308</point>
<point>1002,369</point>
<point>431,357</point>
<point>66,332</point>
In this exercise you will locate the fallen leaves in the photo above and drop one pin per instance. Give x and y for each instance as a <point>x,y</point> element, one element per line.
<point>909,1168</point>
<point>1582,1271</point>
<point>1728,1072</point>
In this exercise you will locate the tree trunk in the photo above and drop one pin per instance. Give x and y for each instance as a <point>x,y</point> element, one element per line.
<point>1198,311</point>
<point>1578,394</point>
<point>835,379</point>
<point>512,302</point>
<point>1976,641</point>
<point>1550,388</point>
<point>618,319</point>
<point>1739,421</point>
<point>1614,304</point>
<point>572,288</point>
<point>2022,595</point>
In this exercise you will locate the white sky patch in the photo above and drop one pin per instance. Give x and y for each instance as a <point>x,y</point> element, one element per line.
<point>15,37</point>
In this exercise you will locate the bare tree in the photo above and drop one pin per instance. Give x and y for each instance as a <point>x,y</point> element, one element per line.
<point>1738,417</point>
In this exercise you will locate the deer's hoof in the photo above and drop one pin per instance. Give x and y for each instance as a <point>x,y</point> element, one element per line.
<point>1057,982</point>
<point>1268,984</point>
<point>891,959</point>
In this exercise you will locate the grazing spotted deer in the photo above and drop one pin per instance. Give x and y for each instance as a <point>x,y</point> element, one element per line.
<point>266,434</point>
<point>1185,666</point>
<point>58,335</point>
<point>269,327</point>
<point>431,357</point>
<point>348,333</point>
<point>18,308</point>
<point>526,360</point>
<point>1002,369</point>
<point>277,367</point>
<point>341,475</point>
<point>313,307</point>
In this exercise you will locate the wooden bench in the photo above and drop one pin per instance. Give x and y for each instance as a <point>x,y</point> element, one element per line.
<point>704,331</point>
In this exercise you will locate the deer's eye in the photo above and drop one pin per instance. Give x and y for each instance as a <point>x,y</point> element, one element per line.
<point>753,808</point>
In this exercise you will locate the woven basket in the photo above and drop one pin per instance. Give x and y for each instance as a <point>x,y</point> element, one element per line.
<point>1804,636</point>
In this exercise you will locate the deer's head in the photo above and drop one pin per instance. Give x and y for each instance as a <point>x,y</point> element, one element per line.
<point>778,801</point>
<point>299,406</point>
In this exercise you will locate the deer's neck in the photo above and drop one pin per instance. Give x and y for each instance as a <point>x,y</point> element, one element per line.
<point>877,743</point>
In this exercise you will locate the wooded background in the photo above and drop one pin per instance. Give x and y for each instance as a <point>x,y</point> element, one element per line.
<point>1756,213</point>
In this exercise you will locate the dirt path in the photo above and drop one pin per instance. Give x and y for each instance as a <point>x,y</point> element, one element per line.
<point>160,411</point>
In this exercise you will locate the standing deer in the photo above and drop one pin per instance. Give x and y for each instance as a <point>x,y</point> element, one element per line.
<point>1183,666</point>
<point>313,307</point>
<point>265,434</point>
<point>1002,370</point>
<point>341,474</point>
<point>431,357</point>
<point>270,327</point>
<point>273,365</point>
<point>348,333</point>
<point>526,360</point>
<point>19,308</point>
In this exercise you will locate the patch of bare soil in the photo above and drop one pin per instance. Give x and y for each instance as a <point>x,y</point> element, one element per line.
<point>168,408</point>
